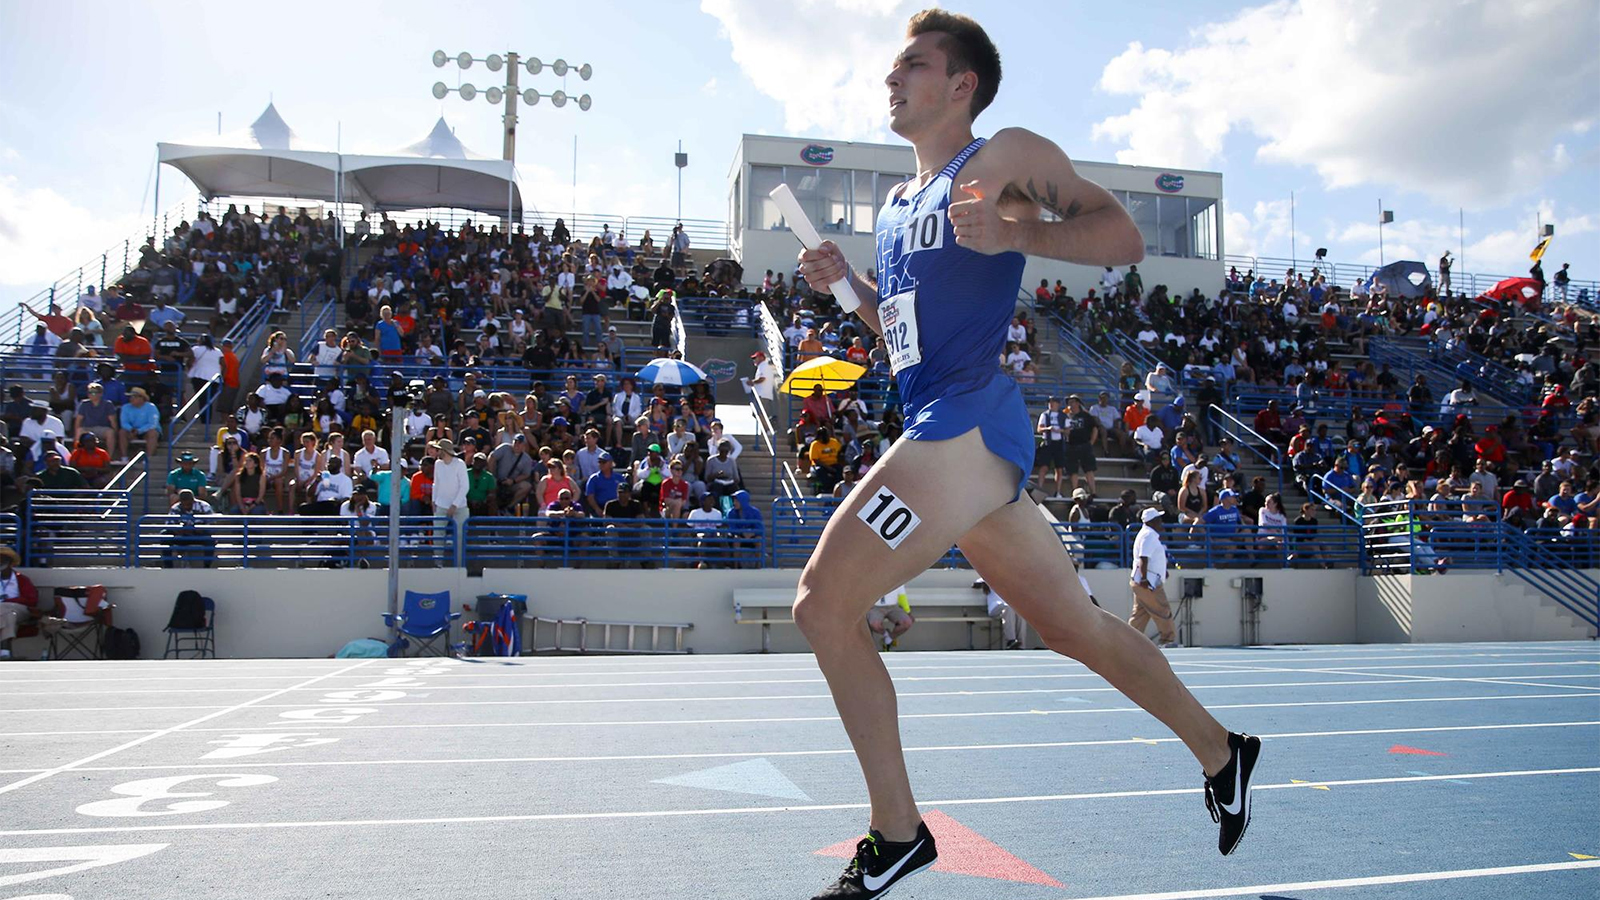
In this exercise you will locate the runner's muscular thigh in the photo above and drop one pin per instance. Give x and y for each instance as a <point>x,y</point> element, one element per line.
<point>948,485</point>
<point>1018,553</point>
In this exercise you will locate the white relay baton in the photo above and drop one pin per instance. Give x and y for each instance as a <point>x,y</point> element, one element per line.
<point>807,233</point>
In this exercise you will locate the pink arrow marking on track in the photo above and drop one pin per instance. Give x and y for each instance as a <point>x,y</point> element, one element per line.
<point>963,851</point>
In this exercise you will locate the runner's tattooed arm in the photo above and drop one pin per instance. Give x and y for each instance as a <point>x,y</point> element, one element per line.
<point>1091,227</point>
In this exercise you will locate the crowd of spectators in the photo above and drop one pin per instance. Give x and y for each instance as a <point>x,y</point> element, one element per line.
<point>439,323</point>
<point>122,360</point>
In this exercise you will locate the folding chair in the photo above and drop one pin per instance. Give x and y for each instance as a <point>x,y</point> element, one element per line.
<point>202,642</point>
<point>83,639</point>
<point>425,618</point>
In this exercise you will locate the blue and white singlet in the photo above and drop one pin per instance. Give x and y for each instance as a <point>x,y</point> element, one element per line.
<point>945,310</point>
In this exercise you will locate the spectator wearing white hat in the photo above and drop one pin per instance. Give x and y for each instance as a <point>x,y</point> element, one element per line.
<point>1149,579</point>
<point>449,483</point>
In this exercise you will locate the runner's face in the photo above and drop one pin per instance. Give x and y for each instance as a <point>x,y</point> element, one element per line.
<point>919,90</point>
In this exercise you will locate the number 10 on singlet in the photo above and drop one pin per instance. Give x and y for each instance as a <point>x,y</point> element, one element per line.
<point>889,517</point>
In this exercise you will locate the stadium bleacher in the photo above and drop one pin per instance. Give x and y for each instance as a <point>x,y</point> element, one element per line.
<point>500,328</point>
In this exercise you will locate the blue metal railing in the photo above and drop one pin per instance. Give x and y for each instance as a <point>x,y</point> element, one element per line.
<point>1225,424</point>
<point>798,525</point>
<point>1348,274</point>
<point>545,541</point>
<point>718,316</point>
<point>277,542</point>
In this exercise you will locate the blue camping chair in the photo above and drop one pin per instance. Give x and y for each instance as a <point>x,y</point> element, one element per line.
<point>202,642</point>
<point>425,618</point>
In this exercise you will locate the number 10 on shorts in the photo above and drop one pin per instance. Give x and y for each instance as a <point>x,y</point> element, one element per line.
<point>889,517</point>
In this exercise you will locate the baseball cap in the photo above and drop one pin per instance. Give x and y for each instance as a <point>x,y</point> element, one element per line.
<point>559,420</point>
<point>654,448</point>
<point>1150,515</point>
<point>604,456</point>
<point>186,457</point>
<point>1227,494</point>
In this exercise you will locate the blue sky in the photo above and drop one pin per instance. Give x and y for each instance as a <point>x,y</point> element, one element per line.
<point>1487,106</point>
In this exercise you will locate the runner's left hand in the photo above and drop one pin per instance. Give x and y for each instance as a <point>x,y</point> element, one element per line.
<point>977,221</point>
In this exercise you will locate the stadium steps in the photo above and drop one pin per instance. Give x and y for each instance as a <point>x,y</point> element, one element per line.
<point>1550,616</point>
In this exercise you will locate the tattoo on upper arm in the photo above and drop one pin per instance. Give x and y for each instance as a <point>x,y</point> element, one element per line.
<point>1051,200</point>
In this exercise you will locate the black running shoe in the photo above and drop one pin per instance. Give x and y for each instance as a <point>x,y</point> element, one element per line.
<point>1228,792</point>
<point>880,865</point>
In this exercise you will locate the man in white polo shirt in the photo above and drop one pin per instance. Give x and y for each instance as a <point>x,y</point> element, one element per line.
<point>370,456</point>
<point>1149,580</point>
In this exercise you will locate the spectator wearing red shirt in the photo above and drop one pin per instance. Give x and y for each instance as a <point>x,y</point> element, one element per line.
<point>1269,423</point>
<point>59,325</point>
<point>134,351</point>
<point>1519,497</point>
<point>674,491</point>
<point>422,489</point>
<point>91,460</point>
<point>1490,448</point>
<point>230,375</point>
<point>1136,413</point>
<point>857,353</point>
<point>815,411</point>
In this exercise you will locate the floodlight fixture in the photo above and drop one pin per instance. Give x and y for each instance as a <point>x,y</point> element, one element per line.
<point>464,60</point>
<point>494,62</point>
<point>584,103</point>
<point>440,90</point>
<point>559,98</point>
<point>439,59</point>
<point>584,71</point>
<point>559,67</point>
<point>467,91</point>
<point>493,95</point>
<point>530,97</point>
<point>534,65</point>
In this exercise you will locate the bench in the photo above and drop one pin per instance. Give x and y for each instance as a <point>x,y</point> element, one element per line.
<point>753,606</point>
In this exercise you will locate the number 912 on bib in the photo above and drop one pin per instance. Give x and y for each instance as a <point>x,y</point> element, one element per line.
<point>889,517</point>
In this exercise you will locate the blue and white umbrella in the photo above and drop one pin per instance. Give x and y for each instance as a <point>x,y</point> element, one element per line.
<point>671,371</point>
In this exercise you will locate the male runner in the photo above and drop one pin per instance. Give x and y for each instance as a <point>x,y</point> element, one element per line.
<point>949,268</point>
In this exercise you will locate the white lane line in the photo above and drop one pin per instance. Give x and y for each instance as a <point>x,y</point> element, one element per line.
<point>748,810</point>
<point>770,697</point>
<point>1354,678</point>
<point>1365,881</point>
<point>40,776</point>
<point>765,698</point>
<point>834,719</point>
<point>530,666</point>
<point>845,751</point>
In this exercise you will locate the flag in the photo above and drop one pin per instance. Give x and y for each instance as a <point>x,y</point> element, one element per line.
<point>1538,252</point>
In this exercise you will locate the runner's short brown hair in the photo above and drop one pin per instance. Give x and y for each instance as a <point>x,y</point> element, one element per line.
<point>968,48</point>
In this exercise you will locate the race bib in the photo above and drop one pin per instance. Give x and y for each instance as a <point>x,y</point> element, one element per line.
<point>898,316</point>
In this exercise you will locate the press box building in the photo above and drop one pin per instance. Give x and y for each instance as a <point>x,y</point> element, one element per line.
<point>842,185</point>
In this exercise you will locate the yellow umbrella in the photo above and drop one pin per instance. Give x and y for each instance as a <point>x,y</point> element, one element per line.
<point>832,374</point>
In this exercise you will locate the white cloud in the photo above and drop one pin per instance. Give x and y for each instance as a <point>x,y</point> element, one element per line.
<point>33,221</point>
<point>824,60</point>
<point>710,87</point>
<point>1463,100</point>
<point>1260,232</point>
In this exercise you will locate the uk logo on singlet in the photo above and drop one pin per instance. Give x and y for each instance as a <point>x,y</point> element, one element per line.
<point>923,231</point>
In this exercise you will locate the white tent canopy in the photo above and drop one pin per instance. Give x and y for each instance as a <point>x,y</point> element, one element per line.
<point>269,160</point>
<point>437,171</point>
<point>265,160</point>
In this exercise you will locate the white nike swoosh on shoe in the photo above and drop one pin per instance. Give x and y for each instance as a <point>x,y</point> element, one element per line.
<point>1238,795</point>
<point>872,883</point>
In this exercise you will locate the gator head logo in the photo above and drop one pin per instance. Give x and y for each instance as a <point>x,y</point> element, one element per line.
<point>816,155</point>
<point>1169,183</point>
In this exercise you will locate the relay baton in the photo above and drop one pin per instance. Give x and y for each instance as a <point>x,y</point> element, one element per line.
<point>807,233</point>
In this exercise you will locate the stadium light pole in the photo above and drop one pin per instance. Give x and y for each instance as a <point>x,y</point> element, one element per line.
<point>509,94</point>
<point>1385,216</point>
<point>680,159</point>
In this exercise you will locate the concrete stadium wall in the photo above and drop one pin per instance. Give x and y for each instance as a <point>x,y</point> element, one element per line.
<point>312,612</point>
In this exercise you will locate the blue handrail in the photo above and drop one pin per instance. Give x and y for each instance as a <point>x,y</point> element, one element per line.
<point>1226,423</point>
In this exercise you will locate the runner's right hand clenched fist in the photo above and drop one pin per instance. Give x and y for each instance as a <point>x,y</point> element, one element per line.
<point>823,266</point>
